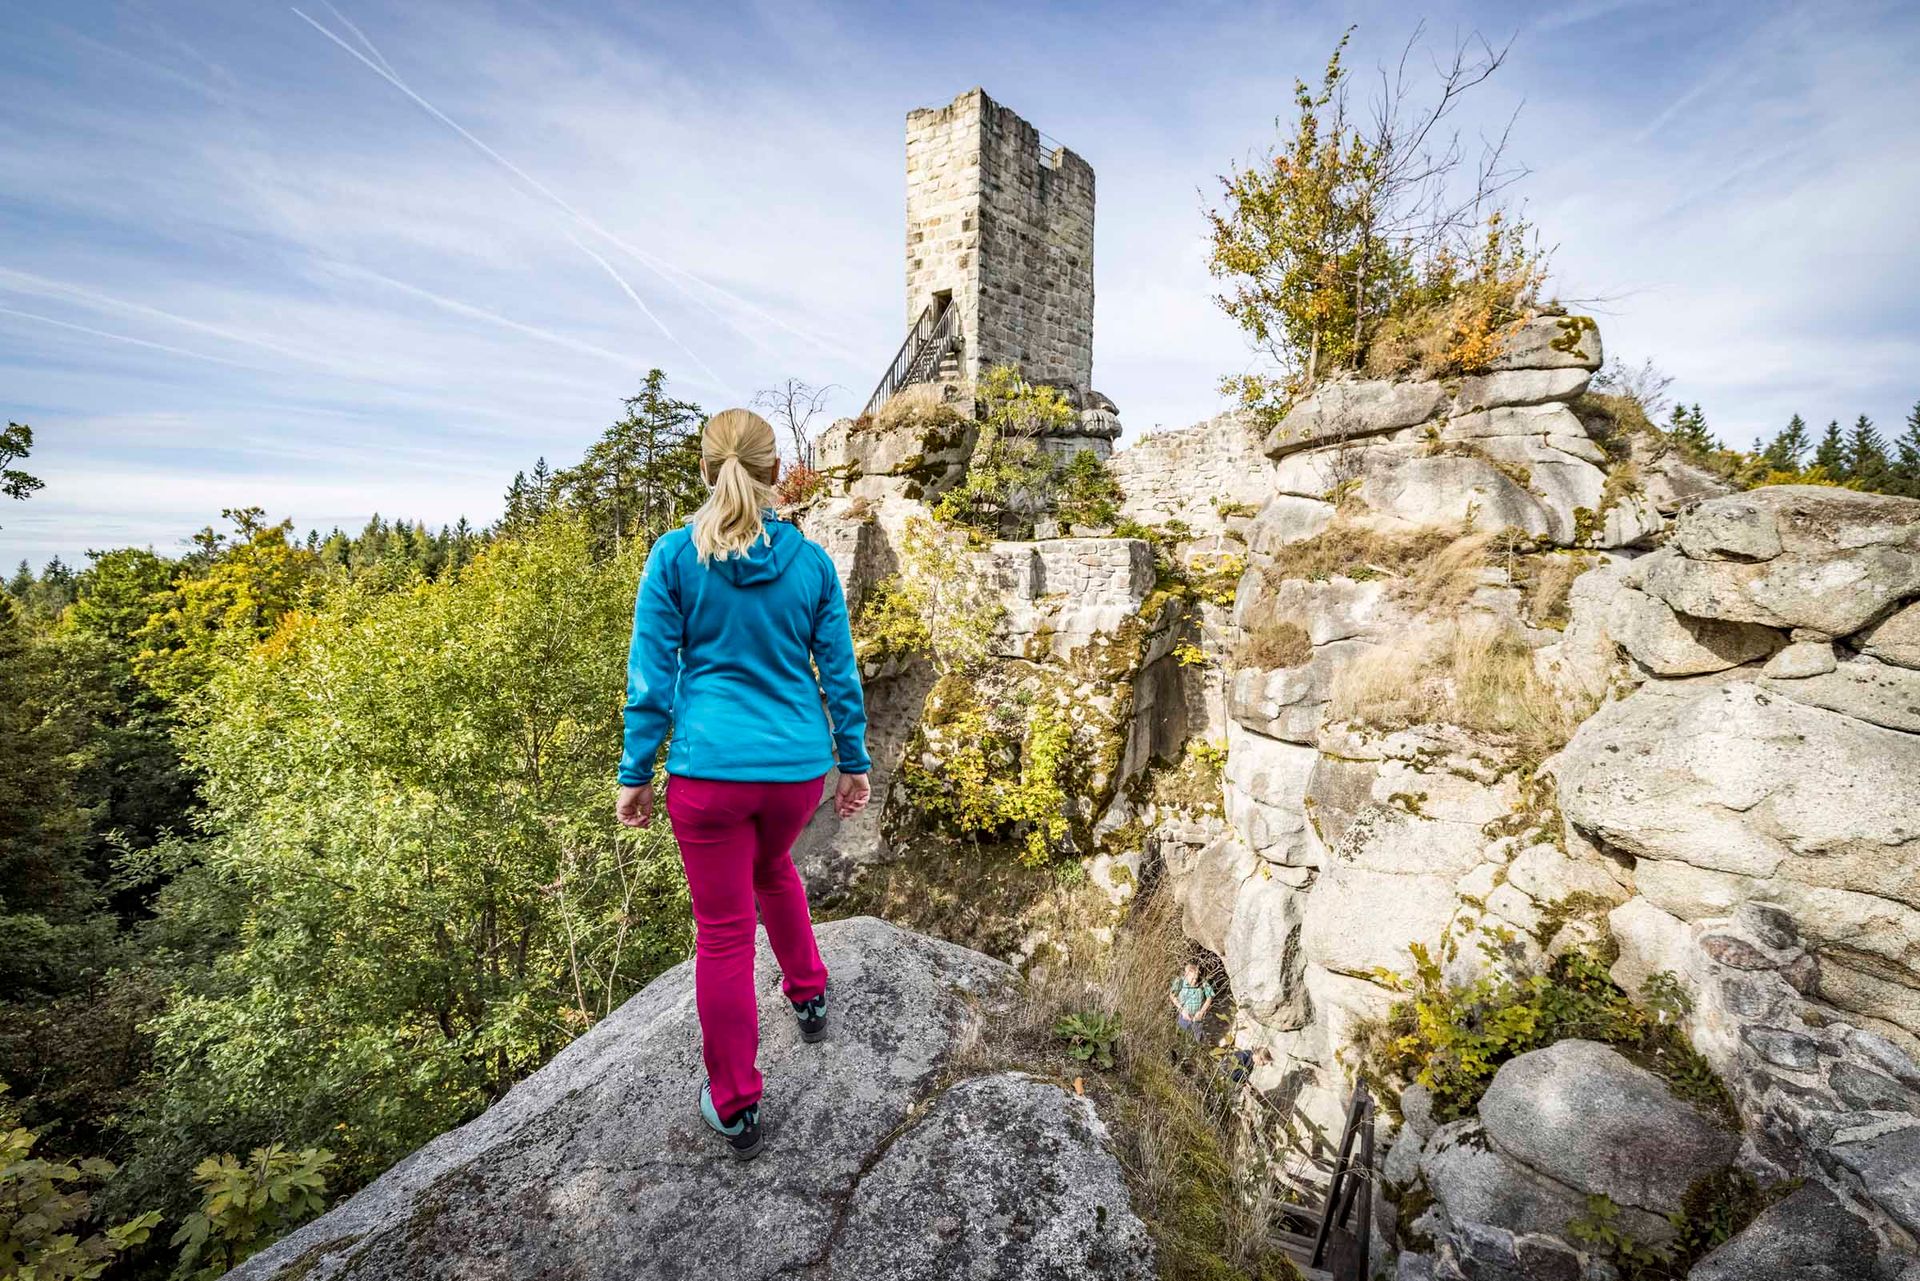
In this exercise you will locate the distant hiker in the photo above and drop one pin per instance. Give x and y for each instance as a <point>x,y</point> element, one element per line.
<point>736,611</point>
<point>1191,999</point>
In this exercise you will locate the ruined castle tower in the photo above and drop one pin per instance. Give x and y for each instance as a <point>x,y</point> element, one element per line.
<point>1000,226</point>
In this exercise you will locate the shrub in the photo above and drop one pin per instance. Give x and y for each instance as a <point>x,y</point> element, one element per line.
<point>45,1205</point>
<point>1216,579</point>
<point>997,778</point>
<point>1086,492</point>
<point>1711,1211</point>
<point>1463,310</point>
<point>892,621</point>
<point>1011,476</point>
<point>245,1208</point>
<point>799,484</point>
<point>1453,1038</point>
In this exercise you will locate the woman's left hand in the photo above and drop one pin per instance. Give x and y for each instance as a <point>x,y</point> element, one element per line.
<point>635,806</point>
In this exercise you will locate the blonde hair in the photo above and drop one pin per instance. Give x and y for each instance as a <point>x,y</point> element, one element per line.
<point>737,457</point>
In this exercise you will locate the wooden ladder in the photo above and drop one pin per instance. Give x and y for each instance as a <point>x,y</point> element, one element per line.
<point>1339,1246</point>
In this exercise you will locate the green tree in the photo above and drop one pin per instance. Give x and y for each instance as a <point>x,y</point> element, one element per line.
<point>642,477</point>
<point>1291,231</point>
<point>1784,451</point>
<point>16,442</point>
<point>1866,454</point>
<point>1906,463</point>
<point>408,835</point>
<point>1351,244</point>
<point>1688,428</point>
<point>246,588</point>
<point>48,908</point>
<point>1831,455</point>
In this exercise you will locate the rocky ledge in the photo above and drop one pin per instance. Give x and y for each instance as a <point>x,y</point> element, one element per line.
<point>883,1158</point>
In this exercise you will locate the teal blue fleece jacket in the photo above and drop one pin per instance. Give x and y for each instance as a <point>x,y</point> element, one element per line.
<point>724,656</point>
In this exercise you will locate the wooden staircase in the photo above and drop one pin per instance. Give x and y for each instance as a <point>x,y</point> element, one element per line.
<point>1331,1238</point>
<point>930,353</point>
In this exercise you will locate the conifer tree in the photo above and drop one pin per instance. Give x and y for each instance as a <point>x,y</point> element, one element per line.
<point>1866,453</point>
<point>1831,456</point>
<point>1688,428</point>
<point>1784,452</point>
<point>1906,461</point>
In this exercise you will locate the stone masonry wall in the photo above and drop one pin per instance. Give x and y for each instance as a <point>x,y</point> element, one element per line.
<point>1194,473</point>
<point>1007,227</point>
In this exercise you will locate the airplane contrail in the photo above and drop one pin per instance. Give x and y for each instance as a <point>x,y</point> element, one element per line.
<point>533,331</point>
<point>659,266</point>
<point>628,289</point>
<point>44,287</point>
<point>127,338</point>
<point>361,36</point>
<point>489,152</point>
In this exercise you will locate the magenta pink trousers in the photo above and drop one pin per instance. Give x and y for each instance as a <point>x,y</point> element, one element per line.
<point>736,842</point>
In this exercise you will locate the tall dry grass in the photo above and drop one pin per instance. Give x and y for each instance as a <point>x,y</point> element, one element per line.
<point>1478,675</point>
<point>1204,1184</point>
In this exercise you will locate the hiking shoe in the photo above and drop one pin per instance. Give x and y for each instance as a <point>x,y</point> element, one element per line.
<point>813,1017</point>
<point>742,1133</point>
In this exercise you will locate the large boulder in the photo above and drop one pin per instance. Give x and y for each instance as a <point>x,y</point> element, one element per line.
<point>1581,1114</point>
<point>1552,342</point>
<point>1476,1183</point>
<point>1345,409</point>
<point>1730,793</point>
<point>1809,1236</point>
<point>1005,1178</point>
<point>916,445</point>
<point>1863,688</point>
<point>1670,644</point>
<point>1830,561</point>
<point>598,1166</point>
<point>1895,640</point>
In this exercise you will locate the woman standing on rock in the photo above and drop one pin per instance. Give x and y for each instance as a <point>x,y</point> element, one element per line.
<point>736,612</point>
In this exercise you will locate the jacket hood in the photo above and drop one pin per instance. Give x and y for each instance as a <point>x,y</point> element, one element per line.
<point>767,559</point>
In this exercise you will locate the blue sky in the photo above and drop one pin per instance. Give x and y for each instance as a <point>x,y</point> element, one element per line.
<point>240,265</point>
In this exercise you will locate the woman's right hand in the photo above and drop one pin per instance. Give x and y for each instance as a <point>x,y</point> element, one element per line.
<point>851,796</point>
<point>634,807</point>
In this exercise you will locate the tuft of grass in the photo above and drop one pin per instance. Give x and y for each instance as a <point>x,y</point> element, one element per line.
<point>1478,675</point>
<point>1274,644</point>
<point>1432,570</point>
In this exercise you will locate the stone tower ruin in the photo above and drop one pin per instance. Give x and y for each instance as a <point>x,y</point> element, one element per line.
<point>1000,225</point>
<point>999,252</point>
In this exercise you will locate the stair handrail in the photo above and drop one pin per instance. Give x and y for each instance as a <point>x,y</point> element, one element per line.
<point>929,334</point>
<point>1348,1182</point>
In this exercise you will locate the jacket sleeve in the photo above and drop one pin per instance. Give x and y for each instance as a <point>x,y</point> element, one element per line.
<point>840,674</point>
<point>653,669</point>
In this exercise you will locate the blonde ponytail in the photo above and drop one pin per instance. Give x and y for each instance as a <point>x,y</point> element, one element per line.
<point>738,458</point>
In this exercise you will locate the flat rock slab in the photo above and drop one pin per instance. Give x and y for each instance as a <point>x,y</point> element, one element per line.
<point>1005,1178</point>
<point>598,1168</point>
